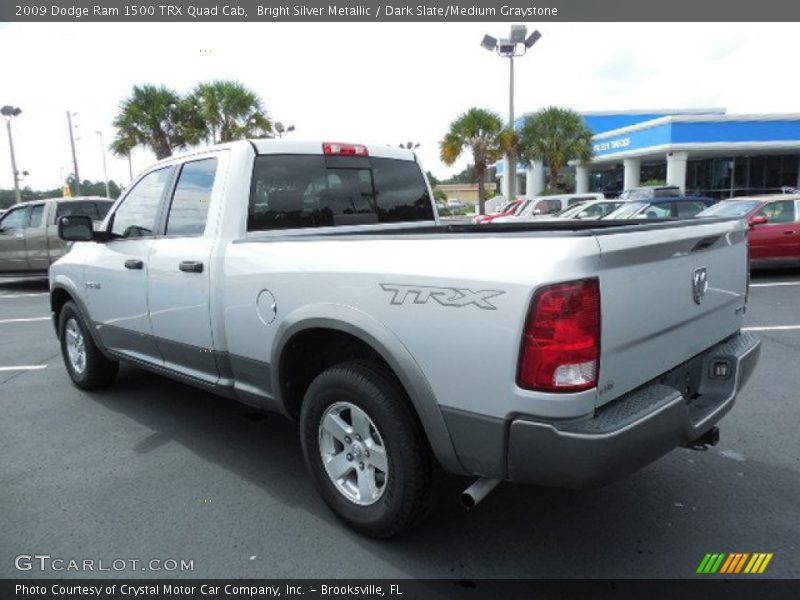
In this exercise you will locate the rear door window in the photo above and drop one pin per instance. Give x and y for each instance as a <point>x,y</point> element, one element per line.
<point>296,191</point>
<point>36,216</point>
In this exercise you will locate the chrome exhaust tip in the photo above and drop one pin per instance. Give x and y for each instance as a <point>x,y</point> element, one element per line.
<point>471,496</point>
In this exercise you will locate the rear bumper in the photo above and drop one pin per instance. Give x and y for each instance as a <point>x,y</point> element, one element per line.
<point>636,429</point>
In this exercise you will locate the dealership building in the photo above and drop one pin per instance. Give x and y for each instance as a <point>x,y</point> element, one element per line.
<point>703,151</point>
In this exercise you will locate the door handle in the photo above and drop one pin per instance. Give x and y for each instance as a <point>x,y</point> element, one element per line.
<point>20,236</point>
<point>191,266</point>
<point>134,263</point>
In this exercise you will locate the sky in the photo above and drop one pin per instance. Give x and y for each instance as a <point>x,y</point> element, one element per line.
<point>383,83</point>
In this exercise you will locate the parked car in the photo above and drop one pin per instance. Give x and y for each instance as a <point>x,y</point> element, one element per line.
<point>547,205</point>
<point>651,191</point>
<point>593,209</point>
<point>774,222</point>
<point>683,207</point>
<point>505,210</point>
<point>315,280</point>
<point>29,241</point>
<point>495,203</point>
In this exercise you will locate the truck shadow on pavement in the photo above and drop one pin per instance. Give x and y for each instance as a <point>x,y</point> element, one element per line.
<point>670,510</point>
<point>23,286</point>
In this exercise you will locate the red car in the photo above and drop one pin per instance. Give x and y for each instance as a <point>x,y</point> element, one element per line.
<point>774,222</point>
<point>506,210</point>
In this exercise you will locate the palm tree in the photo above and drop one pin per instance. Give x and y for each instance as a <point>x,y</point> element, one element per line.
<point>230,111</point>
<point>157,118</point>
<point>481,132</point>
<point>555,136</point>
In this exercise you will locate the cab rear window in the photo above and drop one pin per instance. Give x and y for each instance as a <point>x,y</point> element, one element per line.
<point>297,191</point>
<point>95,210</point>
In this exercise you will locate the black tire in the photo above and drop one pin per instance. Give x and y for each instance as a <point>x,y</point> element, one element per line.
<point>99,371</point>
<point>413,471</point>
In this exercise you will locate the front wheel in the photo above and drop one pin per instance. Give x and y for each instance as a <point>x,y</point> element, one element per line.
<point>365,450</point>
<point>86,365</point>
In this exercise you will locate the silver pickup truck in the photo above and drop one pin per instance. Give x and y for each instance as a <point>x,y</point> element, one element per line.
<point>315,280</point>
<point>29,241</point>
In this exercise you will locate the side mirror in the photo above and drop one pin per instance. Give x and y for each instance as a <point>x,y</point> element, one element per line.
<point>76,228</point>
<point>759,220</point>
<point>583,214</point>
<point>537,211</point>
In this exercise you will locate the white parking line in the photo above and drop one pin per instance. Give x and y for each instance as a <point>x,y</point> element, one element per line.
<point>774,328</point>
<point>3,321</point>
<point>776,284</point>
<point>24,368</point>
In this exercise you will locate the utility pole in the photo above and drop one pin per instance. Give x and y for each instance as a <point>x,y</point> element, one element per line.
<point>74,156</point>
<point>9,112</point>
<point>17,195</point>
<point>105,171</point>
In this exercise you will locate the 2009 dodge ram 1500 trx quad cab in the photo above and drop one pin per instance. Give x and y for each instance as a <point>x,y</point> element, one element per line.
<point>315,279</point>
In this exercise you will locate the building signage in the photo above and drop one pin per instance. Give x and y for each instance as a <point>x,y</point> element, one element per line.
<point>612,144</point>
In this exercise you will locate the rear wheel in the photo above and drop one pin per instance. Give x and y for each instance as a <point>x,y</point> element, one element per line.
<point>365,450</point>
<point>87,366</point>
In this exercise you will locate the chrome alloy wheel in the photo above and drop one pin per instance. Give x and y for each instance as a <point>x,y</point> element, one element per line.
<point>76,346</point>
<point>353,453</point>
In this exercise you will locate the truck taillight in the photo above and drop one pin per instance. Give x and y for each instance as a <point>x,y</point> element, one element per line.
<point>337,149</point>
<point>561,342</point>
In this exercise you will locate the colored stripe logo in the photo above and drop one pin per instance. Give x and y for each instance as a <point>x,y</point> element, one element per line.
<point>734,563</point>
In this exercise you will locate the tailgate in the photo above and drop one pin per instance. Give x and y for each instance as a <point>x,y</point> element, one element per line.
<point>654,314</point>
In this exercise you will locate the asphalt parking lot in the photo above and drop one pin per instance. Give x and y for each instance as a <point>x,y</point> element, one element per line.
<point>152,469</point>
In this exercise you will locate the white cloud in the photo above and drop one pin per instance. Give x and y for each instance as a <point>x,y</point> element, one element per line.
<point>385,83</point>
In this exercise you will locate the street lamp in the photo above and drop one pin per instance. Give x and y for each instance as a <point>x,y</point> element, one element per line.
<point>517,44</point>
<point>9,112</point>
<point>105,172</point>
<point>282,130</point>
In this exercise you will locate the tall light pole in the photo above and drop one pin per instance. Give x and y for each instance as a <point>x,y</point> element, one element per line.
<point>74,156</point>
<point>105,171</point>
<point>9,112</point>
<point>517,44</point>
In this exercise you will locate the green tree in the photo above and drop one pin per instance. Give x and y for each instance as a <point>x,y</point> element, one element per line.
<point>157,118</point>
<point>93,188</point>
<point>555,136</point>
<point>478,131</point>
<point>229,111</point>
